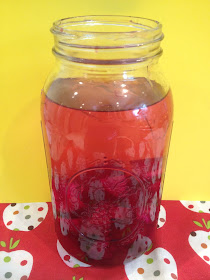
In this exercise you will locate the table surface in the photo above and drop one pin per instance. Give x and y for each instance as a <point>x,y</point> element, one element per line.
<point>30,250</point>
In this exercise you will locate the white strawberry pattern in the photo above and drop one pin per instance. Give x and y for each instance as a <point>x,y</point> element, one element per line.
<point>68,259</point>
<point>15,265</point>
<point>24,216</point>
<point>162,217</point>
<point>159,264</point>
<point>94,250</point>
<point>197,206</point>
<point>200,241</point>
<point>141,244</point>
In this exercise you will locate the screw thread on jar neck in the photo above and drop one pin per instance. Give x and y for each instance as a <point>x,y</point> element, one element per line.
<point>107,40</point>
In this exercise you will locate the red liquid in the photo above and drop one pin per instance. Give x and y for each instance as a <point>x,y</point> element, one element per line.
<point>106,170</point>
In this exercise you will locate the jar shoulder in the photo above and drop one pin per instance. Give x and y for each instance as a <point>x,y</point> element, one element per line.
<point>100,94</point>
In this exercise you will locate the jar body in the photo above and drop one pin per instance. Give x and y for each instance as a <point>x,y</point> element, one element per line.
<point>106,140</point>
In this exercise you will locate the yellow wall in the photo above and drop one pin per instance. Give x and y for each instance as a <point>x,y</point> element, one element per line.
<point>26,59</point>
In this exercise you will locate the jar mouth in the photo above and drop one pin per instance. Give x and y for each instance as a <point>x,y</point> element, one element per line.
<point>107,31</point>
<point>138,24</point>
<point>107,39</point>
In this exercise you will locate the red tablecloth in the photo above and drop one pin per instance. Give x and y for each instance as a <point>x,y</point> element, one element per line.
<point>29,248</point>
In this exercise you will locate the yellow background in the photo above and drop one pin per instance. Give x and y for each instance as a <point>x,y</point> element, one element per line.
<point>26,59</point>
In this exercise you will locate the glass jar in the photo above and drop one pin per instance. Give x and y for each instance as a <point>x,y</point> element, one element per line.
<point>107,118</point>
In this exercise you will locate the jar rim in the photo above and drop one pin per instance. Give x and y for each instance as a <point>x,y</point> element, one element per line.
<point>139,24</point>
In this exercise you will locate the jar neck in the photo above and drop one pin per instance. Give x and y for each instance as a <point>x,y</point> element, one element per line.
<point>66,68</point>
<point>107,41</point>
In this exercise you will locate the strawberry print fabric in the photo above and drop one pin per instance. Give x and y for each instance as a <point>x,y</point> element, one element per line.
<point>29,248</point>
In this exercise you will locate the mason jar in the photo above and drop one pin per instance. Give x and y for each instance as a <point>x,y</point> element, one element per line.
<point>107,114</point>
